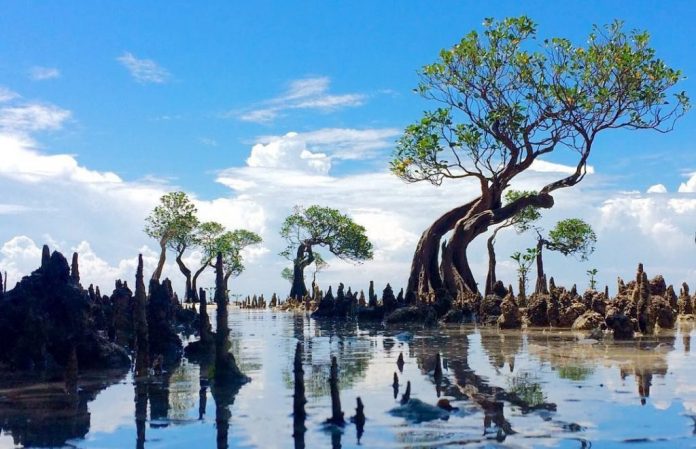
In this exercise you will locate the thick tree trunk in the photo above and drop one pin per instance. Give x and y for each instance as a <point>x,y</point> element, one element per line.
<point>541,286</point>
<point>160,263</point>
<point>303,259</point>
<point>425,273</point>
<point>187,274</point>
<point>468,228</point>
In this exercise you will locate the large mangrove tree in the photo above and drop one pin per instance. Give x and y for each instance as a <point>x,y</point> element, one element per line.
<point>507,99</point>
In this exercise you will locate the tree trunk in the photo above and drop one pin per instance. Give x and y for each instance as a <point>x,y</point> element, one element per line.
<point>187,274</point>
<point>160,263</point>
<point>541,286</point>
<point>468,228</point>
<point>425,273</point>
<point>226,281</point>
<point>299,289</point>
<point>491,277</point>
<point>194,280</point>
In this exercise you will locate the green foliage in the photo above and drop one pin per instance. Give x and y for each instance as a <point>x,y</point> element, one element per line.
<point>523,220</point>
<point>327,227</point>
<point>287,274</point>
<point>524,261</point>
<point>231,244</point>
<point>505,100</point>
<point>572,236</point>
<point>593,282</point>
<point>319,263</point>
<point>207,239</point>
<point>173,221</point>
<point>527,388</point>
<point>576,373</point>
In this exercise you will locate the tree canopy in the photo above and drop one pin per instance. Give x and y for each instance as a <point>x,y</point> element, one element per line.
<point>572,236</point>
<point>327,227</point>
<point>506,101</point>
<point>172,222</point>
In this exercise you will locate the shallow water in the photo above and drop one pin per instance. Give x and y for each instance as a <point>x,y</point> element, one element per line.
<point>640,393</point>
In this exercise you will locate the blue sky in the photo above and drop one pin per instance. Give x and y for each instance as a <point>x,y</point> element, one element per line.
<point>229,56</point>
<point>172,94</point>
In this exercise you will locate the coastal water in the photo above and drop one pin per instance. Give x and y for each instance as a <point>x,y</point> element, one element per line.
<point>519,389</point>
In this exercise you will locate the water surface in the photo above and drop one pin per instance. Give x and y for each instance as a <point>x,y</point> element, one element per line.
<point>561,390</point>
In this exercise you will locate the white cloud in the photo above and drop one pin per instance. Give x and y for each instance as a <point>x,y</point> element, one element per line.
<point>690,185</point>
<point>38,73</point>
<point>7,95</point>
<point>655,222</point>
<point>657,188</point>
<point>32,117</point>
<point>288,152</point>
<point>23,163</point>
<point>542,166</point>
<point>341,143</point>
<point>144,70</point>
<point>101,214</point>
<point>307,93</point>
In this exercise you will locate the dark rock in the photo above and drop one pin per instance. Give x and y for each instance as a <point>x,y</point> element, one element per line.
<point>47,315</point>
<point>537,312</point>
<point>619,323</point>
<point>161,311</point>
<point>372,297</point>
<point>453,316</point>
<point>510,317</point>
<point>684,302</point>
<point>388,300</point>
<point>588,321</point>
<point>412,314</point>
<point>489,310</point>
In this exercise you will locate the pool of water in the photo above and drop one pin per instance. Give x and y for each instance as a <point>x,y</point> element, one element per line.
<point>557,388</point>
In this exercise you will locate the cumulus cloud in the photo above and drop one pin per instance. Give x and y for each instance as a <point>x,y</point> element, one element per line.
<point>657,188</point>
<point>144,70</point>
<point>289,152</point>
<point>690,185</point>
<point>38,73</point>
<point>307,93</point>
<point>340,143</point>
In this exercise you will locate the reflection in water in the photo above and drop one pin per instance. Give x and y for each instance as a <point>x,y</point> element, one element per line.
<point>505,384</point>
<point>47,414</point>
<point>224,394</point>
<point>141,393</point>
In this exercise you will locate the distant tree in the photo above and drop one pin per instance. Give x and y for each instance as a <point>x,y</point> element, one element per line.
<point>207,241</point>
<point>521,221</point>
<point>231,244</point>
<point>172,222</point>
<point>593,281</point>
<point>506,101</point>
<point>314,226</point>
<point>524,263</point>
<point>570,237</point>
